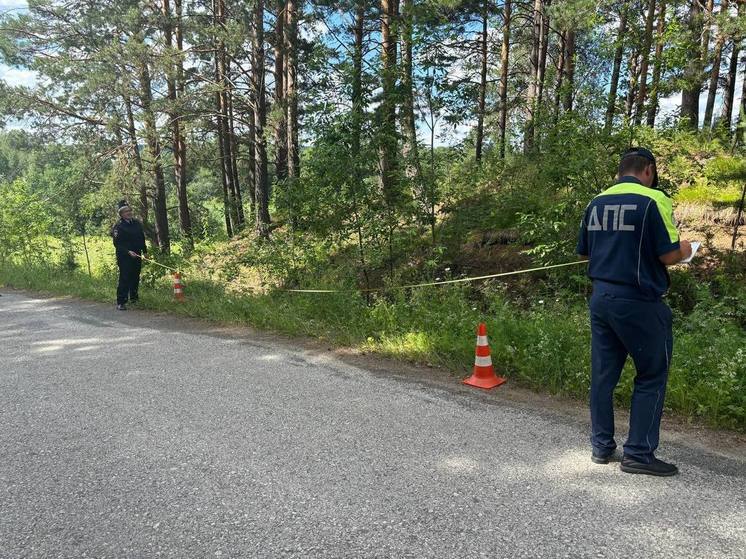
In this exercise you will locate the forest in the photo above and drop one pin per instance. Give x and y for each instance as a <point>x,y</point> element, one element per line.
<point>358,147</point>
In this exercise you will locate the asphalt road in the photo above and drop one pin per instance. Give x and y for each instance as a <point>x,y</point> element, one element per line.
<point>139,435</point>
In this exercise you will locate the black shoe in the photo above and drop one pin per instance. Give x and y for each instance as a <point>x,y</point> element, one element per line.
<point>121,308</point>
<point>655,468</point>
<point>601,457</point>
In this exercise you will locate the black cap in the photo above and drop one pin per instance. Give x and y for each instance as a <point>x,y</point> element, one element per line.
<point>121,206</point>
<point>647,154</point>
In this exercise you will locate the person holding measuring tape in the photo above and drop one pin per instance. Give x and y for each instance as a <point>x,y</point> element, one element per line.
<point>129,243</point>
<point>629,236</point>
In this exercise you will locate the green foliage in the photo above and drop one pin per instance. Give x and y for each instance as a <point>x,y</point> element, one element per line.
<point>288,259</point>
<point>709,378</point>
<point>726,168</point>
<point>25,223</point>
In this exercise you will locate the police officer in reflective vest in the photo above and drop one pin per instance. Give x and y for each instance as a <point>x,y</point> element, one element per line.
<point>629,236</point>
<point>129,242</point>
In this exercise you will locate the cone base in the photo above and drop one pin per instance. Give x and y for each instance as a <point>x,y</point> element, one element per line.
<point>486,383</point>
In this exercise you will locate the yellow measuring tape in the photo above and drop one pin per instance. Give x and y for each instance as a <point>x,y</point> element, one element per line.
<point>409,286</point>
<point>158,264</point>
<point>461,280</point>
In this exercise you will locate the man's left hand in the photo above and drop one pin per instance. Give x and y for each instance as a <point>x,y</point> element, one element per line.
<point>133,254</point>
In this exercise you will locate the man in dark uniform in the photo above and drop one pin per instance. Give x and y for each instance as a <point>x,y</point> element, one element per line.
<point>129,242</point>
<point>629,235</point>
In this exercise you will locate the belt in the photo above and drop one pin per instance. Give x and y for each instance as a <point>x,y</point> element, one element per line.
<point>622,290</point>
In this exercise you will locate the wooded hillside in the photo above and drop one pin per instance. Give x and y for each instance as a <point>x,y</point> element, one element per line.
<point>362,145</point>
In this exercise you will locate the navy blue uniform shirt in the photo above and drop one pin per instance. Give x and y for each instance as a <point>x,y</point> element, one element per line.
<point>624,231</point>
<point>129,235</point>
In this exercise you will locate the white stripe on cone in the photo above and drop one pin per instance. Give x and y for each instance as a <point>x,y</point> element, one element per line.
<point>482,340</point>
<point>178,291</point>
<point>482,361</point>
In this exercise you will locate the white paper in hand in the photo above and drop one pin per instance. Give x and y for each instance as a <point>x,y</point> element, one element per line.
<point>695,248</point>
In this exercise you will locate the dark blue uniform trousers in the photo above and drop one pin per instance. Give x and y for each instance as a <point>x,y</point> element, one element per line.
<point>641,329</point>
<point>129,278</point>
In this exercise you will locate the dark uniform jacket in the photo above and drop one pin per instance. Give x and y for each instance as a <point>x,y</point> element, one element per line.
<point>128,235</point>
<point>624,231</point>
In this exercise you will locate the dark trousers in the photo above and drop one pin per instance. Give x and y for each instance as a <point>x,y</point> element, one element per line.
<point>129,278</point>
<point>641,329</point>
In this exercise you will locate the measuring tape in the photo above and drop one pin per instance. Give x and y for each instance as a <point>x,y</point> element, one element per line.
<point>409,286</point>
<point>427,284</point>
<point>158,264</point>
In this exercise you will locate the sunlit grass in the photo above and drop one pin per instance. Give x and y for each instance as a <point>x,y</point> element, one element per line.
<point>709,194</point>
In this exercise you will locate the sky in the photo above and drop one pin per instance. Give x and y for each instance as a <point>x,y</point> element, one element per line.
<point>23,76</point>
<point>6,5</point>
<point>15,76</point>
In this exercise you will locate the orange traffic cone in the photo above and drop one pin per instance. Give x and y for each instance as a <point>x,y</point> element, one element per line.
<point>178,288</point>
<point>484,375</point>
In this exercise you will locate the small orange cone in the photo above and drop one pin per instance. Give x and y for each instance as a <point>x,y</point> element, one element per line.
<point>178,288</point>
<point>484,375</point>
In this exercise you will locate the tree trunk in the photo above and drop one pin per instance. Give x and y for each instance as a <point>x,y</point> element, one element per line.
<point>357,80</point>
<point>388,136</point>
<point>634,73</point>
<point>560,74</point>
<point>646,42</point>
<point>569,67</point>
<point>739,213</point>
<point>177,140</point>
<point>741,127</point>
<point>281,140</point>
<point>693,70</point>
<point>260,119</point>
<point>251,156</point>
<point>705,46</point>
<point>291,86</point>
<point>531,91</point>
<point>715,71</point>
<point>616,70</point>
<point>431,183</point>
<point>729,91</point>
<point>180,89</point>
<point>224,144</point>
<point>154,147</point>
<point>730,80</point>
<point>143,192</point>
<point>224,179</point>
<point>657,64</point>
<point>229,159</point>
<point>357,121</point>
<point>543,47</point>
<point>504,61</point>
<point>234,161</point>
<point>482,96</point>
<point>410,151</point>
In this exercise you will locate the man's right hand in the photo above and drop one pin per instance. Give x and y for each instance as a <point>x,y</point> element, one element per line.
<point>675,256</point>
<point>686,249</point>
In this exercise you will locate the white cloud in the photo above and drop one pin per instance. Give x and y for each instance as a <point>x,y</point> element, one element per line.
<point>9,5</point>
<point>18,76</point>
<point>16,125</point>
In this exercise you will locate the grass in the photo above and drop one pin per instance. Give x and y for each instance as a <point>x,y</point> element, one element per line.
<point>709,194</point>
<point>541,343</point>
